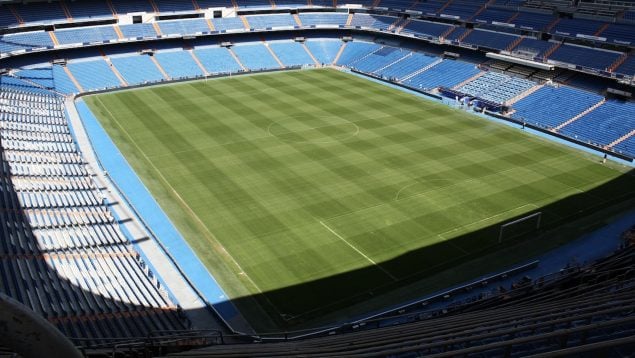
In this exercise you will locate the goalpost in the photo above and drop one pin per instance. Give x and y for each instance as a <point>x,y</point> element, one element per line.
<point>536,216</point>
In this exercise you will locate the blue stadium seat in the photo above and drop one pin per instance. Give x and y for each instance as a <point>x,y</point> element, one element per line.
<point>174,6</point>
<point>228,23</point>
<point>448,73</point>
<point>604,124</point>
<point>93,75</point>
<point>25,40</point>
<point>628,66</point>
<point>137,69</point>
<point>489,39</point>
<point>84,35</point>
<point>270,21</point>
<point>291,53</point>
<point>356,50</point>
<point>373,21</point>
<point>217,60</point>
<point>178,64</point>
<point>182,27</point>
<point>407,65</point>
<point>128,6</point>
<point>63,83</point>
<point>255,56</point>
<point>138,30</point>
<point>425,28</point>
<point>88,10</point>
<point>42,13</point>
<point>309,19</point>
<point>324,50</point>
<point>7,19</point>
<point>550,106</point>
<point>379,59</point>
<point>584,56</point>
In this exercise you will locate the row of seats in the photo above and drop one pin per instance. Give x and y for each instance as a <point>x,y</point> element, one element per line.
<point>590,58</point>
<point>63,252</point>
<point>412,68</point>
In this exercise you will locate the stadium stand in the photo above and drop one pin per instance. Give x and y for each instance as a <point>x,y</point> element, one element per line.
<point>603,125</point>
<point>324,50</point>
<point>93,34</point>
<point>217,60</point>
<point>544,107</point>
<point>315,19</point>
<point>255,56</point>
<point>178,27</point>
<point>447,73</point>
<point>137,69</point>
<point>178,64</point>
<point>65,256</point>
<point>94,75</point>
<point>76,267</point>
<point>290,53</point>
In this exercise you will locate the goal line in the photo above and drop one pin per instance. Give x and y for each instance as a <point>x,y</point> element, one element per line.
<point>537,216</point>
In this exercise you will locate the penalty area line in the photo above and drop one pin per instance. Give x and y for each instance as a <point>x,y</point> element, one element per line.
<point>357,250</point>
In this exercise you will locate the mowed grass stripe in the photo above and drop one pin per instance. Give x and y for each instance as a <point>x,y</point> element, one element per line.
<point>262,160</point>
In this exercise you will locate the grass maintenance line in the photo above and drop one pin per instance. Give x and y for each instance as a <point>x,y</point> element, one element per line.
<point>210,236</point>
<point>357,250</point>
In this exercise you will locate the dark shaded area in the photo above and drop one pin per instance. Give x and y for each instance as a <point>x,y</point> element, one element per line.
<point>316,298</point>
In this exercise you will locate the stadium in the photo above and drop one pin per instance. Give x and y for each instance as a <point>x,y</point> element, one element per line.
<point>363,178</point>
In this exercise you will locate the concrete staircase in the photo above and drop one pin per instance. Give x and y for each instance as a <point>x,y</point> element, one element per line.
<point>339,53</point>
<point>621,139</point>
<point>524,94</point>
<point>421,70</point>
<point>580,115</point>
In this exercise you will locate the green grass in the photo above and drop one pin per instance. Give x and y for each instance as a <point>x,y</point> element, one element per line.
<point>308,188</point>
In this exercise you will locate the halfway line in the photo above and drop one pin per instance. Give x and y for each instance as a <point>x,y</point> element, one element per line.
<point>357,250</point>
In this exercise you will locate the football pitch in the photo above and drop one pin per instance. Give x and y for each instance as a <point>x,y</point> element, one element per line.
<point>308,188</point>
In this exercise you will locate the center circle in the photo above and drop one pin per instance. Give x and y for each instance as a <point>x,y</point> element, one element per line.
<point>313,129</point>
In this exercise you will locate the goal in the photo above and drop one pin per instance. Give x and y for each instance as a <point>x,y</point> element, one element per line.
<point>520,226</point>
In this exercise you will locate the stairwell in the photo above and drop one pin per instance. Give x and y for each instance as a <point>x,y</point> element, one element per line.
<point>155,8</point>
<point>394,62</point>
<point>308,51</point>
<point>114,69</point>
<point>481,9</point>
<point>15,14</point>
<point>297,20</point>
<point>552,24</point>
<point>553,49</point>
<point>163,73</point>
<point>118,32</point>
<point>512,18</point>
<point>473,78</point>
<point>234,4</point>
<point>54,38</point>
<point>272,3</point>
<point>515,44</point>
<point>198,62</point>
<point>339,53</point>
<point>620,60</point>
<point>157,29</point>
<point>72,78</point>
<point>414,4</point>
<point>464,35</point>
<point>580,115</point>
<point>403,24</point>
<point>67,11</point>
<point>273,54</point>
<point>112,8</point>
<point>231,52</point>
<point>245,22</point>
<point>524,94</point>
<point>601,29</point>
<point>349,20</point>
<point>424,69</point>
<point>621,139</point>
<point>196,6</point>
<point>446,33</point>
<point>394,24</point>
<point>444,6</point>
<point>210,25</point>
<point>376,3</point>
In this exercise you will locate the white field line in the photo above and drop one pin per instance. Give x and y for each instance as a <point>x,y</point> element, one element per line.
<point>209,235</point>
<point>312,128</point>
<point>357,250</point>
<point>441,235</point>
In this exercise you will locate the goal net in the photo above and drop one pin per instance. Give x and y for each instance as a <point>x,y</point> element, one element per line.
<point>520,226</point>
